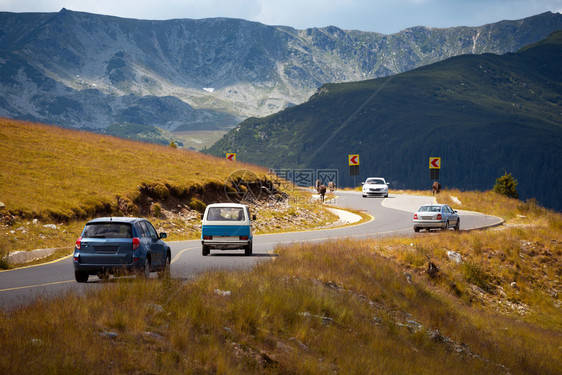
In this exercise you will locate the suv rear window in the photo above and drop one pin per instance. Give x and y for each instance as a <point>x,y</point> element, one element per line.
<point>108,230</point>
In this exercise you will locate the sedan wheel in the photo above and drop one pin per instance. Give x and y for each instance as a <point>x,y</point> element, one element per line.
<point>458,224</point>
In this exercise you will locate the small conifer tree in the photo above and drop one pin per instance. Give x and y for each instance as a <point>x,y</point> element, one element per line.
<point>506,185</point>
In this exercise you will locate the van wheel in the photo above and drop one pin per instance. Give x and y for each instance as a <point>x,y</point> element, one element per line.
<point>248,249</point>
<point>206,250</point>
<point>81,276</point>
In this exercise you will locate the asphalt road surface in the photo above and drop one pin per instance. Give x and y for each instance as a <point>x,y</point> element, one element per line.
<point>391,216</point>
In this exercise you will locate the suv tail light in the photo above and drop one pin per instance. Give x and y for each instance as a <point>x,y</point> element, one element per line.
<point>78,243</point>
<point>207,237</point>
<point>136,243</point>
<point>415,216</point>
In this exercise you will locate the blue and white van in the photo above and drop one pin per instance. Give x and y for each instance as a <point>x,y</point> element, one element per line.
<point>227,226</point>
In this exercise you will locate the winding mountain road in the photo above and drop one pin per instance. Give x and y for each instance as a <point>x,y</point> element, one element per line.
<point>391,216</point>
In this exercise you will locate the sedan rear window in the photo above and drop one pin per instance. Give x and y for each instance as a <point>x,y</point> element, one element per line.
<point>430,209</point>
<point>108,230</point>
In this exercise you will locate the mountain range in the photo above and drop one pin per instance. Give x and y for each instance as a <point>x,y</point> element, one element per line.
<point>484,115</point>
<point>91,71</point>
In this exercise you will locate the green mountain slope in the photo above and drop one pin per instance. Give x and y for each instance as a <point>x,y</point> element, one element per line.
<point>482,114</point>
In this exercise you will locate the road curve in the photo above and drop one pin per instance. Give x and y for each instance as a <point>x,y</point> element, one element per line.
<point>391,216</point>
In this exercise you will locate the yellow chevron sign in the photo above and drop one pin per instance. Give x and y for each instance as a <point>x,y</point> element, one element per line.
<point>434,163</point>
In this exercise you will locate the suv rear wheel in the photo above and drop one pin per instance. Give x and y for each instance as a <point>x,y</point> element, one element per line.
<point>144,272</point>
<point>81,276</point>
<point>165,271</point>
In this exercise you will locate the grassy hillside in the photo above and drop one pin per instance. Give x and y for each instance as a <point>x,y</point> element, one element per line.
<point>343,307</point>
<point>482,114</point>
<point>63,174</point>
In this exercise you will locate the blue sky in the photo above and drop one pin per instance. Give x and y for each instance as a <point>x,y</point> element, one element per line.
<point>384,16</point>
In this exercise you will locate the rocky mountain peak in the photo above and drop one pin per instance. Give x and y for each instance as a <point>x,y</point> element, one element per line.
<point>84,70</point>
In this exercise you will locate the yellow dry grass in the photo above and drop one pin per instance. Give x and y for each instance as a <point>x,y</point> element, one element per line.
<point>48,170</point>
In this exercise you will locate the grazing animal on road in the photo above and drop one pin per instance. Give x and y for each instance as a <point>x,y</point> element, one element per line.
<point>331,186</point>
<point>436,188</point>
<point>322,192</point>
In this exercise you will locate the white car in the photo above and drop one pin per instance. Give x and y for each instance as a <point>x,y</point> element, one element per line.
<point>436,216</point>
<point>375,186</point>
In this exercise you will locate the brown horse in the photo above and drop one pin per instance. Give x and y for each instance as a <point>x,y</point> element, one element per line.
<point>436,187</point>
<point>322,192</point>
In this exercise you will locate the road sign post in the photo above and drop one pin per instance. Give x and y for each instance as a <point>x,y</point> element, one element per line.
<point>353,166</point>
<point>434,167</point>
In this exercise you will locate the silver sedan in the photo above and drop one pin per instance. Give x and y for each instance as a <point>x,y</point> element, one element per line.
<point>436,216</point>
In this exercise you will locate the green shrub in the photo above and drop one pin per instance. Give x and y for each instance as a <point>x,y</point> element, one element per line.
<point>197,205</point>
<point>506,185</point>
<point>474,274</point>
<point>156,210</point>
<point>157,190</point>
<point>531,206</point>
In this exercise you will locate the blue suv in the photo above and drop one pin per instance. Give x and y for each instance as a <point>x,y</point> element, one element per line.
<point>113,245</point>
